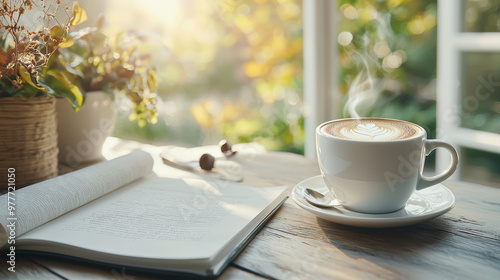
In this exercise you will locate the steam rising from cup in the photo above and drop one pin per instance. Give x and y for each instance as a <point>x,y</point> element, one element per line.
<point>363,92</point>
<point>365,88</point>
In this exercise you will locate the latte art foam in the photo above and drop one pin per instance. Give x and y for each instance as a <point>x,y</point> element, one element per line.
<point>372,129</point>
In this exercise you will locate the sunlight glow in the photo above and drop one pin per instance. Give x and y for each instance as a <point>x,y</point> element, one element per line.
<point>149,12</point>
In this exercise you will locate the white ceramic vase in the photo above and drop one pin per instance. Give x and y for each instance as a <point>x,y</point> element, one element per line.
<point>82,134</point>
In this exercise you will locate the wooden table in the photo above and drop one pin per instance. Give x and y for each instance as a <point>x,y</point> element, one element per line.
<point>295,244</point>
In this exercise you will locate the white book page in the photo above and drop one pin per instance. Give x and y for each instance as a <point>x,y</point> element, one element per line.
<point>159,218</point>
<point>39,203</point>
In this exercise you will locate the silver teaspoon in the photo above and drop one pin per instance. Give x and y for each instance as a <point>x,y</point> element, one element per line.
<point>318,199</point>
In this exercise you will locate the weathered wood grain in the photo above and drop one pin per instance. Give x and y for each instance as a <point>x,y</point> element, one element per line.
<point>295,244</point>
<point>464,243</point>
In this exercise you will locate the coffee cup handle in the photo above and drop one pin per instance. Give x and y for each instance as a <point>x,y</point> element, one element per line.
<point>429,146</point>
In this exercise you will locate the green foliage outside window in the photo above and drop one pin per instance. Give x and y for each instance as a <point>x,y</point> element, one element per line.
<point>234,68</point>
<point>396,41</point>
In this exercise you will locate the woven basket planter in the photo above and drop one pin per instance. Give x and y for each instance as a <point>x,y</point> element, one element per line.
<point>28,139</point>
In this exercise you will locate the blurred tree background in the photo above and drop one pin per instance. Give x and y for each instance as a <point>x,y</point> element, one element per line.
<point>233,68</point>
<point>393,43</point>
<point>481,16</point>
<point>227,69</point>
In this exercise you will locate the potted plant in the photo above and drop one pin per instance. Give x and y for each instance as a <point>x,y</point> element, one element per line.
<point>27,107</point>
<point>104,67</point>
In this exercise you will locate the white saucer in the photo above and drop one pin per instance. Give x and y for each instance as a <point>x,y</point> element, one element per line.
<point>422,205</point>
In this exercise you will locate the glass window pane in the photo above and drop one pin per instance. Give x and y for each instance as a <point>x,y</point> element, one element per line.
<point>481,91</point>
<point>229,69</point>
<point>481,16</point>
<point>387,56</point>
<point>480,167</point>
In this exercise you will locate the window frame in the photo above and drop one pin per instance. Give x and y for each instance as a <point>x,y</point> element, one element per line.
<point>452,42</point>
<point>321,68</point>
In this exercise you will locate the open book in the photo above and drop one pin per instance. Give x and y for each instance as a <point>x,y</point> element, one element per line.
<point>117,212</point>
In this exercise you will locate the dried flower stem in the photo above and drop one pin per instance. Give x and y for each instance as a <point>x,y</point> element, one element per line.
<point>31,49</point>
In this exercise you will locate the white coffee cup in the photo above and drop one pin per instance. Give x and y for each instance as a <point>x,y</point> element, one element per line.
<point>370,168</point>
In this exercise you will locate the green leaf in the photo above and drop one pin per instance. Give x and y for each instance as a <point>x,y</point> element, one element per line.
<point>26,91</point>
<point>56,32</point>
<point>79,14</point>
<point>61,85</point>
<point>152,80</point>
<point>77,50</point>
<point>66,43</point>
<point>23,72</point>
